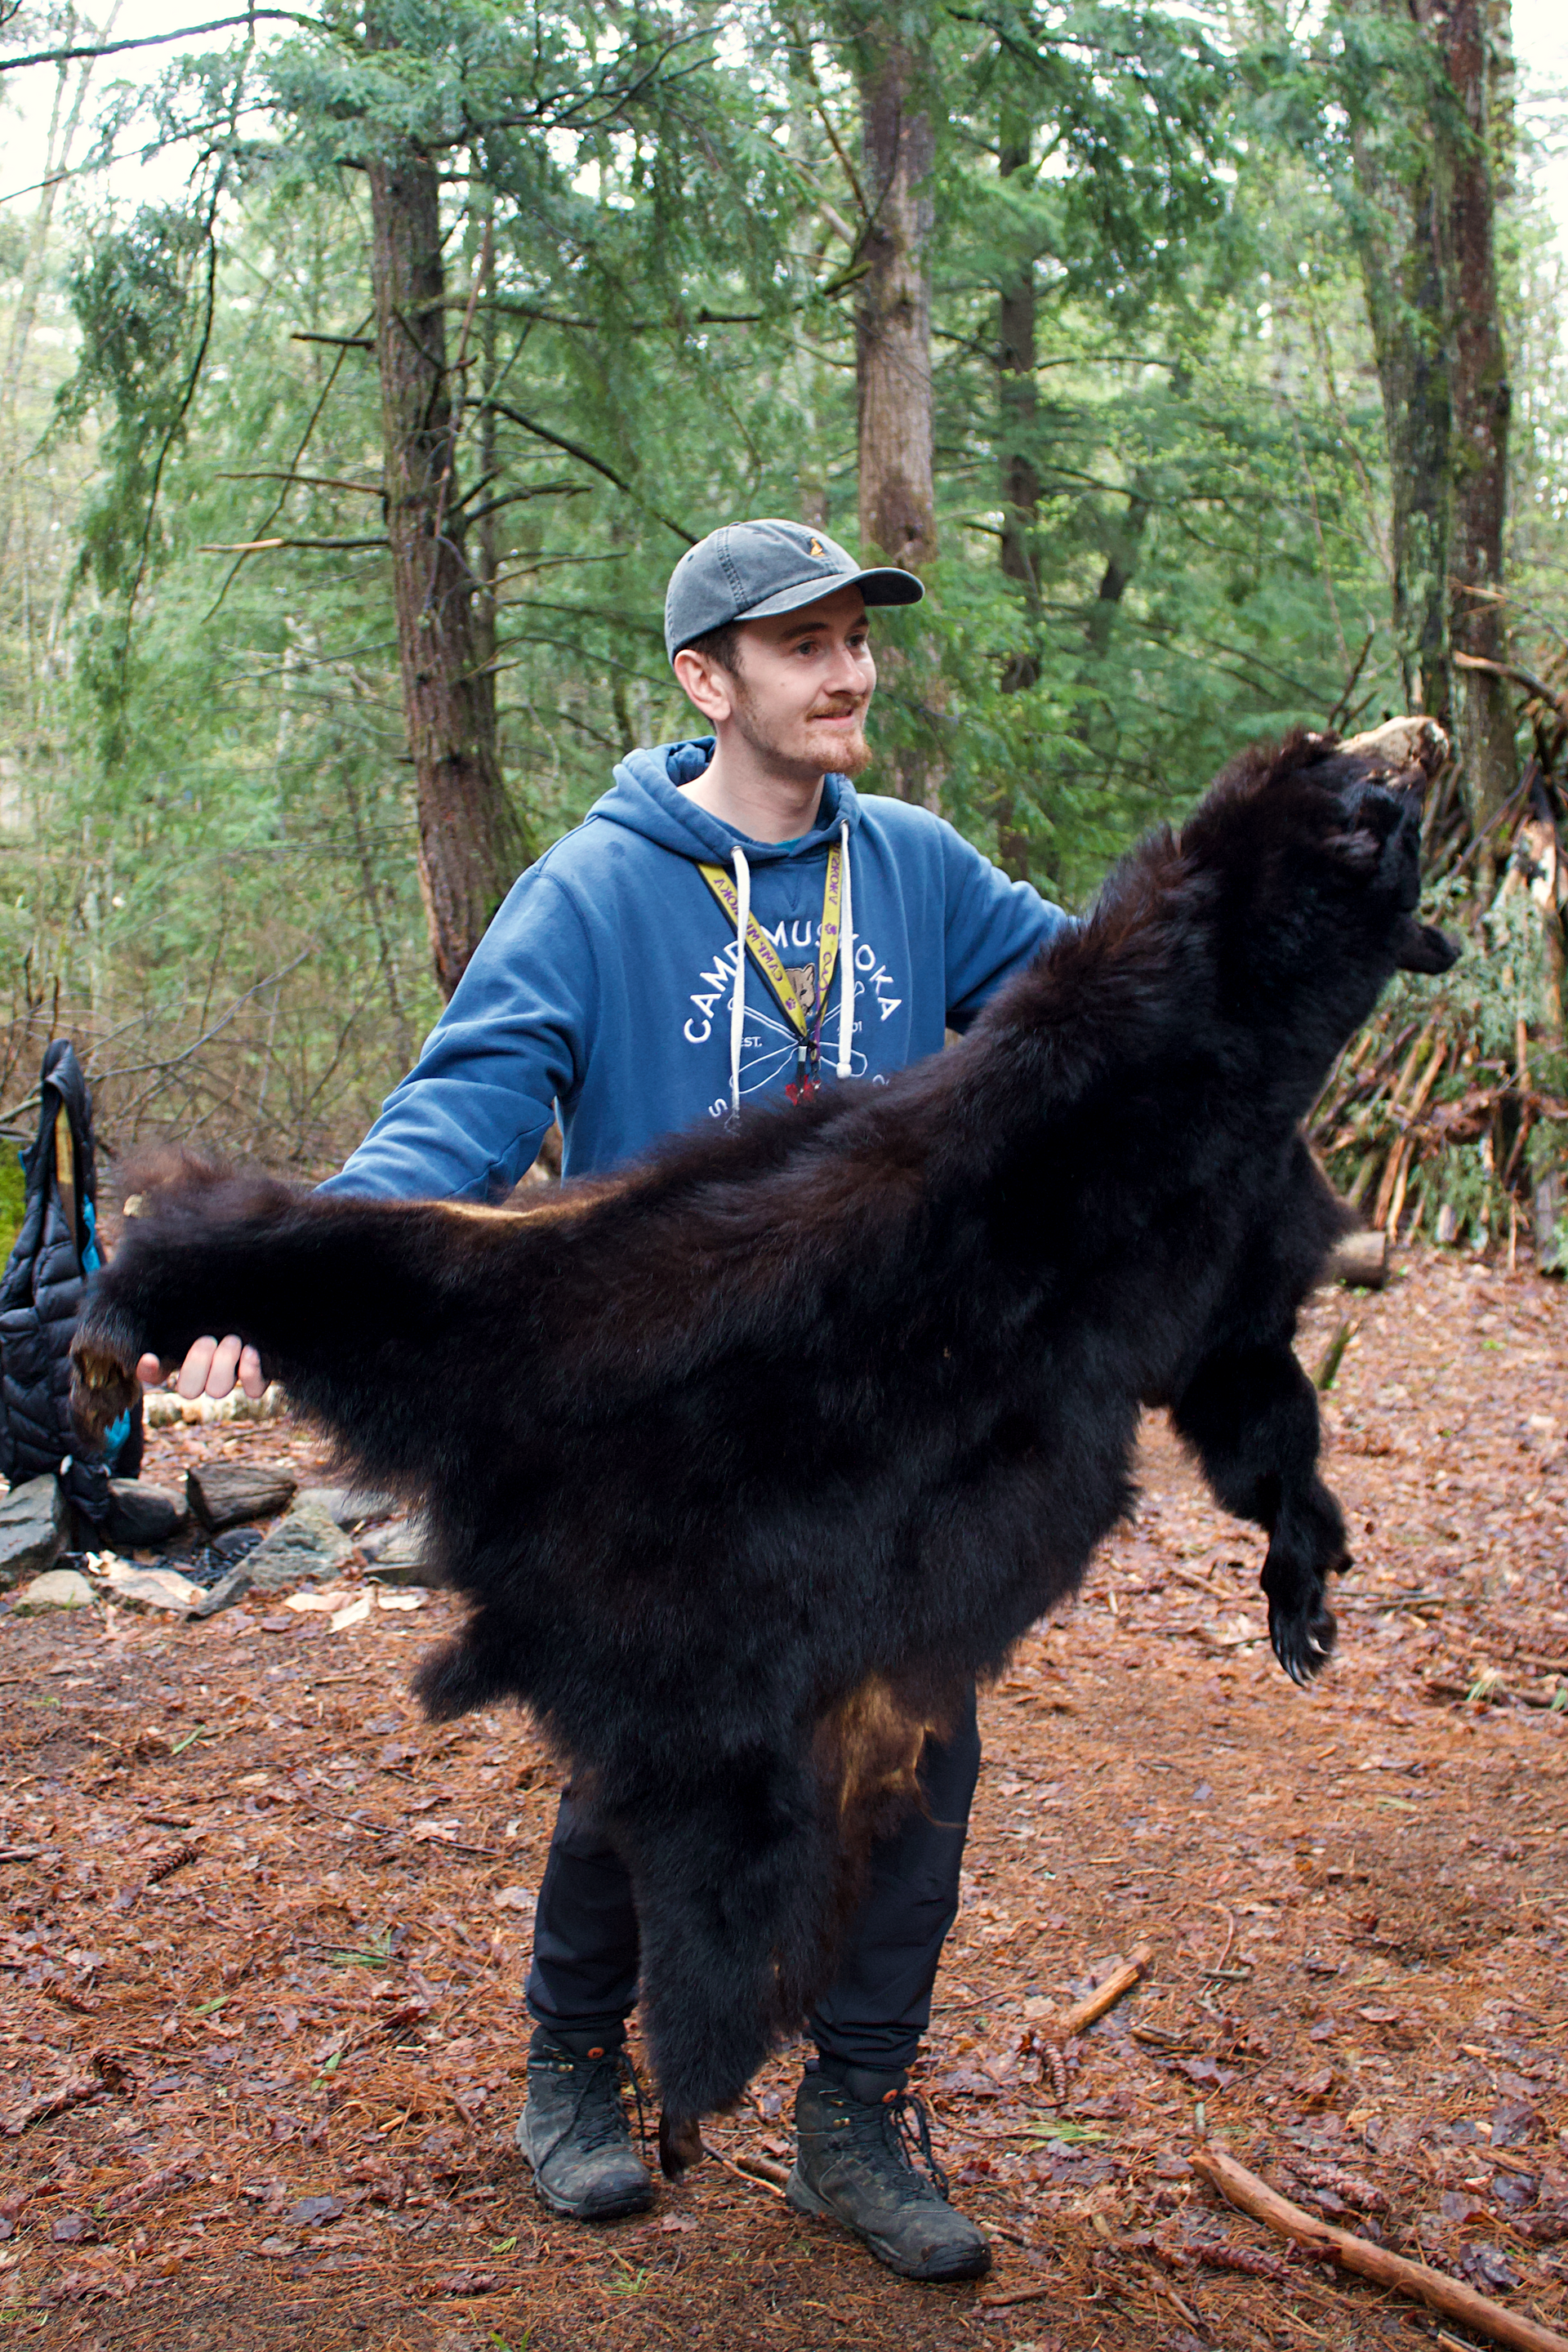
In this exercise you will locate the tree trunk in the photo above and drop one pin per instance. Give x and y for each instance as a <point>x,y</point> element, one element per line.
<point>1402,273</point>
<point>1430,271</point>
<point>898,519</point>
<point>471,845</point>
<point>1020,483</point>
<point>1482,402</point>
<point>893,345</point>
<point>56,166</point>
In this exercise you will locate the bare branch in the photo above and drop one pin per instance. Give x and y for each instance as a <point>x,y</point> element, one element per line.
<point>306,481</point>
<point>264,546</point>
<point>155,40</point>
<point>583,457</point>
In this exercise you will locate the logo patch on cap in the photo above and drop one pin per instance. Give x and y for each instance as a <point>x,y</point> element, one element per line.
<point>817,549</point>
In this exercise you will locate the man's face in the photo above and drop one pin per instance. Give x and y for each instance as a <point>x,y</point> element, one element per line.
<point>806,681</point>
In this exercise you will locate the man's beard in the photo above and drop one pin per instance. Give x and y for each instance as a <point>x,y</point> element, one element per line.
<point>845,756</point>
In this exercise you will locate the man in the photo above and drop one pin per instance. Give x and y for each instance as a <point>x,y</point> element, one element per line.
<point>612,990</point>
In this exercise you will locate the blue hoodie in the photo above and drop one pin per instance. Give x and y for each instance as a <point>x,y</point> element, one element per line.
<point>602,990</point>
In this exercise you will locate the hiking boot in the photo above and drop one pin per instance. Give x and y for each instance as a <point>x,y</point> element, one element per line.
<point>856,2133</point>
<point>574,2132</point>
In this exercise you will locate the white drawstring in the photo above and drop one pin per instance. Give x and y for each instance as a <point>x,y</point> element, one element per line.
<point>846,966</point>
<point>738,1001</point>
<point>845,960</point>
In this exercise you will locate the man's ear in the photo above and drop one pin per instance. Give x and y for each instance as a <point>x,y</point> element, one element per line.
<point>1421,947</point>
<point>706,685</point>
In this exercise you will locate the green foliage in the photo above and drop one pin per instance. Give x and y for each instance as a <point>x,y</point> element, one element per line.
<point>224,886</point>
<point>12,1197</point>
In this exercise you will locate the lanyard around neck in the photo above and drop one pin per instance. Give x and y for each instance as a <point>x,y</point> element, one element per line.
<point>808,1031</point>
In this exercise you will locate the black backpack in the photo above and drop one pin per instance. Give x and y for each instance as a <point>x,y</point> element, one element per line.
<point>41,1293</point>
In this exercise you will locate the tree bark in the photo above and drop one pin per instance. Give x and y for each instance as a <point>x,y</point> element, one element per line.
<point>1482,404</point>
<point>897,519</point>
<point>1430,272</point>
<point>892,347</point>
<point>1403,274</point>
<point>471,845</point>
<point>1020,481</point>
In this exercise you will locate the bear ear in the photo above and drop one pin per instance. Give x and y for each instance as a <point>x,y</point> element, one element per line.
<point>1377,810</point>
<point>1368,815</point>
<point>1421,947</point>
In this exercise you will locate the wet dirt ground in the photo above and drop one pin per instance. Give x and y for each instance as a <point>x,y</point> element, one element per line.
<point>264,1932</point>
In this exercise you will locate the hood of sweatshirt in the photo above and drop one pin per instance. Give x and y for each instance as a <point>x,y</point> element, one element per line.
<point>645,797</point>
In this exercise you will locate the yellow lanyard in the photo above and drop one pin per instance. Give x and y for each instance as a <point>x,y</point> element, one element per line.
<point>808,1031</point>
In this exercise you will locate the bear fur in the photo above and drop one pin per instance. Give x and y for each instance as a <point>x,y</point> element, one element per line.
<point>751,1458</point>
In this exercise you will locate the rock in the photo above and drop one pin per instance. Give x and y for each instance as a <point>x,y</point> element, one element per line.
<point>59,1587</point>
<point>304,1549</point>
<point>142,1514</point>
<point>222,1494</point>
<point>346,1506</point>
<point>225,1591</point>
<point>396,1554</point>
<point>32,1528</point>
<point>147,1588</point>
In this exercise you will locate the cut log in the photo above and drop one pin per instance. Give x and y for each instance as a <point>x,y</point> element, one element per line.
<point>224,1494</point>
<point>1434,2288</point>
<point>1361,1262</point>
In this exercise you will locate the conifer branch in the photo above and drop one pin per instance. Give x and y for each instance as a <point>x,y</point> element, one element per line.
<point>584,457</point>
<point>154,40</point>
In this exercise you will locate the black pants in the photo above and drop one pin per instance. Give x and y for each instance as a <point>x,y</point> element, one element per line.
<point>583,1978</point>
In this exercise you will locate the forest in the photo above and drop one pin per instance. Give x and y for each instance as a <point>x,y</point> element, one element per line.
<point>1206,361</point>
<point>365,367</point>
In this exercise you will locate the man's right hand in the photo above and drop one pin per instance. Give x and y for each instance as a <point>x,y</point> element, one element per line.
<point>209,1370</point>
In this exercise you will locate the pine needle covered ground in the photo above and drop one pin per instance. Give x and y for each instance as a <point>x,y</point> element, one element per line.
<point>262,2045</point>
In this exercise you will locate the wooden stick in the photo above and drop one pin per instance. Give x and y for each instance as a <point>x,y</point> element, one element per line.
<point>760,2172</point>
<point>1392,1171</point>
<point>1105,1996</point>
<point>1440,2293</point>
<point>1017,2294</point>
<point>1328,1371</point>
<point>1397,1206</point>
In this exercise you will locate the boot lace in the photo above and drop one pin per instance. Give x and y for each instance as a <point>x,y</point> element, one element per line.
<point>597,2117</point>
<point>901,2127</point>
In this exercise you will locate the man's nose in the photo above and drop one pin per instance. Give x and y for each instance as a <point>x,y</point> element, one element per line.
<point>845,672</point>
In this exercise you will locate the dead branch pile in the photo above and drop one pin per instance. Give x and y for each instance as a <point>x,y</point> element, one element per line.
<point>1448,1114</point>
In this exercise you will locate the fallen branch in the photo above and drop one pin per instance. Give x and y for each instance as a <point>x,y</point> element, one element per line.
<point>1441,2293</point>
<point>760,2170</point>
<point>1018,2294</point>
<point>1105,1996</point>
<point>1494,1692</point>
<point>1081,2015</point>
<point>1327,1372</point>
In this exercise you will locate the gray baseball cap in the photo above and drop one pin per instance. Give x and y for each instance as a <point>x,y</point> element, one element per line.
<point>750,570</point>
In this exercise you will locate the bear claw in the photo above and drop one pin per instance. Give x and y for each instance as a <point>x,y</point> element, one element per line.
<point>1303,1642</point>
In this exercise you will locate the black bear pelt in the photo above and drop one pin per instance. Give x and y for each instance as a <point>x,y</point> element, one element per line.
<point>751,1458</point>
